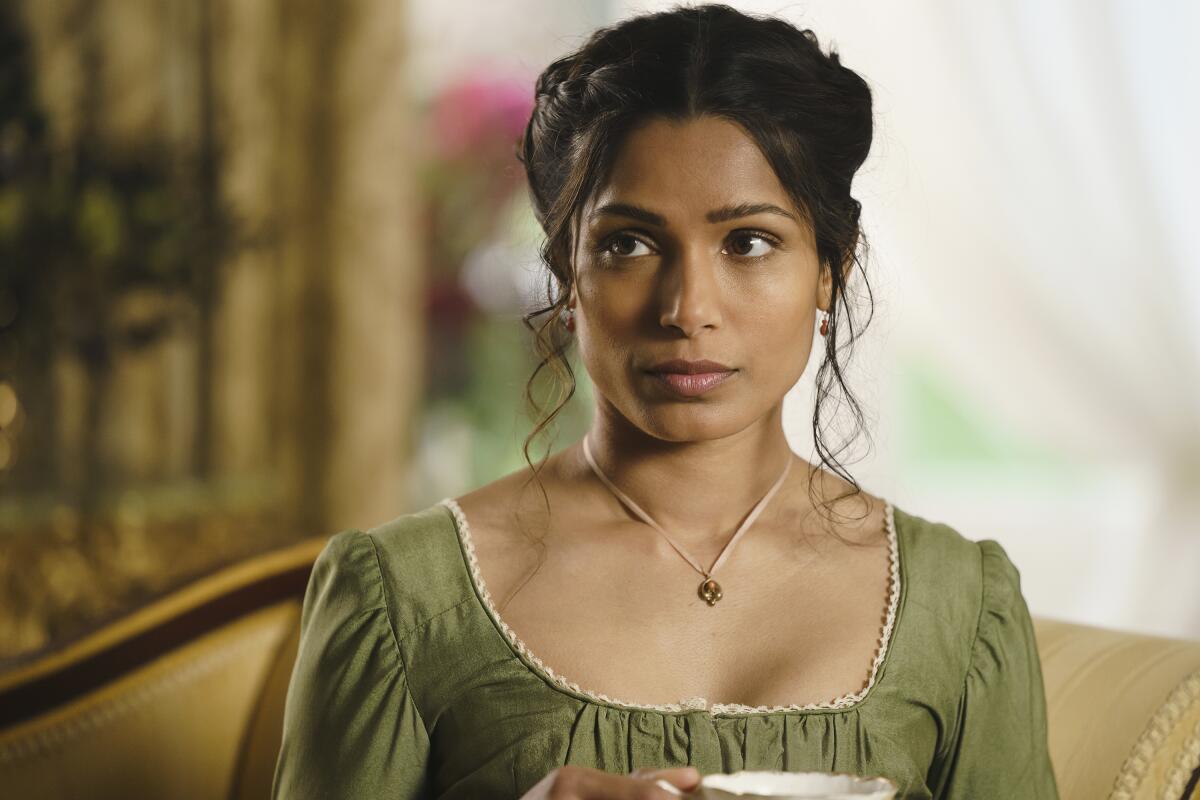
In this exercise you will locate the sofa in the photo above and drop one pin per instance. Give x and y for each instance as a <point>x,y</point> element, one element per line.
<point>184,699</point>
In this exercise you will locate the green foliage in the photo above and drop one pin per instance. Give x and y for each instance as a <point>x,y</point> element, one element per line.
<point>500,365</point>
<point>944,433</point>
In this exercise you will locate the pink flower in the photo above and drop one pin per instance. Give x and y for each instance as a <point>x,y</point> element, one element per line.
<point>480,112</point>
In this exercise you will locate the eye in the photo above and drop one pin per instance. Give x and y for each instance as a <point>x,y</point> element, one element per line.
<point>743,236</point>
<point>623,240</point>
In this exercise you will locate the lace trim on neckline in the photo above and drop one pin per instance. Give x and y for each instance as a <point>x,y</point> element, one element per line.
<point>691,703</point>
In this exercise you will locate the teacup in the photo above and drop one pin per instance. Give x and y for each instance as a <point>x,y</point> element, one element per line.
<point>788,786</point>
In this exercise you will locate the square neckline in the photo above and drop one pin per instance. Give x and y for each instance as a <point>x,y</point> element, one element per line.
<point>560,683</point>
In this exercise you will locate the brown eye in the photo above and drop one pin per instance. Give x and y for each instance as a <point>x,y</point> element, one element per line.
<point>621,241</point>
<point>742,238</point>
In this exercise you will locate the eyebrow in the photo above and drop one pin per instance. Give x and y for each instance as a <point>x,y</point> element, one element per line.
<point>722,214</point>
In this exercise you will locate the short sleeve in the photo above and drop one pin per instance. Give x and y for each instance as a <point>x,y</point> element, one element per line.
<point>350,726</point>
<point>1000,747</point>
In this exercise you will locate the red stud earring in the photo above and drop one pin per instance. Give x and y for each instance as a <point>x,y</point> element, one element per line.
<point>825,325</point>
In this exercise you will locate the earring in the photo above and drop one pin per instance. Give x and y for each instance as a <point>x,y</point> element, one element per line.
<point>825,324</point>
<point>568,319</point>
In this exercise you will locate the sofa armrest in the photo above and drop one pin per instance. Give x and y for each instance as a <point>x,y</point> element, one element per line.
<point>1123,711</point>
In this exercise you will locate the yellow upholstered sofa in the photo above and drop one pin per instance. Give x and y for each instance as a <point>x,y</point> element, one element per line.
<point>184,699</point>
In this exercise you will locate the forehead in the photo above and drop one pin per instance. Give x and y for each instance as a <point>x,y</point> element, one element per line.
<point>684,168</point>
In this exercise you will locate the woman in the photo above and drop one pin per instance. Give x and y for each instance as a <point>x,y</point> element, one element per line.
<point>680,595</point>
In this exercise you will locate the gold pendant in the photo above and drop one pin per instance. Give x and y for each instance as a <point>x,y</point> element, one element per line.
<point>710,592</point>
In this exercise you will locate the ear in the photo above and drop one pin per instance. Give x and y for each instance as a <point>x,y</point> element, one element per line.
<point>824,287</point>
<point>825,294</point>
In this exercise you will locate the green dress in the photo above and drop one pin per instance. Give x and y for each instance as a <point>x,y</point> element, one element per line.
<point>407,684</point>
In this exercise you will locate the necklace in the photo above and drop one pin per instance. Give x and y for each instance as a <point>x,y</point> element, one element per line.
<point>709,591</point>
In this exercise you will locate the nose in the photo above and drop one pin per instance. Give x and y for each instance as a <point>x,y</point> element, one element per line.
<point>691,293</point>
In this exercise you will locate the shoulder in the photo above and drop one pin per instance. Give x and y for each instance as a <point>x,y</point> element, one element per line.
<point>508,519</point>
<point>954,591</point>
<point>412,563</point>
<point>953,579</point>
<point>520,494</point>
<point>937,551</point>
<point>948,570</point>
<point>343,575</point>
<point>417,537</point>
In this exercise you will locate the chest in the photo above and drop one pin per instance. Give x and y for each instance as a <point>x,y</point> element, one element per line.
<point>793,626</point>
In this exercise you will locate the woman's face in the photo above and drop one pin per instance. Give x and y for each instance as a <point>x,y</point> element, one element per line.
<point>680,258</point>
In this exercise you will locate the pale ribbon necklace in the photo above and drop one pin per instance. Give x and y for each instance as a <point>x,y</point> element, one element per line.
<point>710,590</point>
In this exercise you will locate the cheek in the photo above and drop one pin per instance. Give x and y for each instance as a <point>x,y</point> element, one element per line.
<point>612,317</point>
<point>604,334</point>
<point>779,314</point>
<point>609,300</point>
<point>777,338</point>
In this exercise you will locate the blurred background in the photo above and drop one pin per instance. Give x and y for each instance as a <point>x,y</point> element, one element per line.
<point>262,268</point>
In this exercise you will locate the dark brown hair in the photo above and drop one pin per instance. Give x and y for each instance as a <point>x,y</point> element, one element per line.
<point>809,115</point>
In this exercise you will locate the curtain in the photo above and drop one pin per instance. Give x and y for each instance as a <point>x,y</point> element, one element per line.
<point>1030,200</point>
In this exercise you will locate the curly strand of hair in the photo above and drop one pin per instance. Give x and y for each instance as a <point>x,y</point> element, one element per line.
<point>551,349</point>
<point>829,373</point>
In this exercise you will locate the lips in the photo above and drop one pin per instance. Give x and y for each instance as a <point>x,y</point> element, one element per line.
<point>685,367</point>
<point>691,378</point>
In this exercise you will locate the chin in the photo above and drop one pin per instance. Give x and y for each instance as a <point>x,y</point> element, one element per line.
<point>689,422</point>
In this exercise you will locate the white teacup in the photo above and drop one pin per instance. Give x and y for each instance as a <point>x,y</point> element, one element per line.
<point>788,786</point>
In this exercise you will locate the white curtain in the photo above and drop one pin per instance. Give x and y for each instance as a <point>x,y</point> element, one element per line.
<point>1031,200</point>
<point>1072,279</point>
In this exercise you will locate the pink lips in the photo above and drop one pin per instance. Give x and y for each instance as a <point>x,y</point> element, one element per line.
<point>691,378</point>
<point>692,385</point>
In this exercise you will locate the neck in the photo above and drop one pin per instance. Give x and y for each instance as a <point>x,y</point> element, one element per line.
<point>698,491</point>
